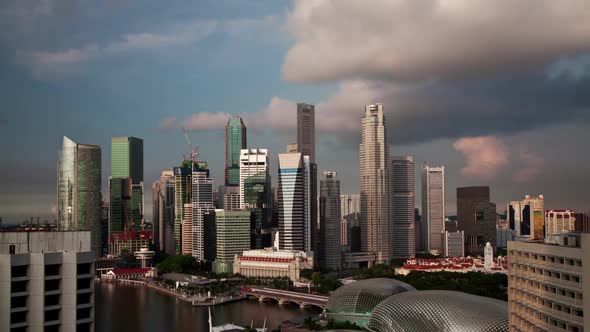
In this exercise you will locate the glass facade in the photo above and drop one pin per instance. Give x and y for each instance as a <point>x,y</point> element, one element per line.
<point>439,311</point>
<point>182,195</point>
<point>127,158</point>
<point>79,190</point>
<point>258,199</point>
<point>330,249</point>
<point>233,237</point>
<point>292,200</point>
<point>235,141</point>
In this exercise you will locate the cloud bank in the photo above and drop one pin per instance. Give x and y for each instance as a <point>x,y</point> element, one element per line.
<point>485,156</point>
<point>425,39</point>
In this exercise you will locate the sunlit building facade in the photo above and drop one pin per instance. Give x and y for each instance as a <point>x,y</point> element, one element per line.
<point>433,208</point>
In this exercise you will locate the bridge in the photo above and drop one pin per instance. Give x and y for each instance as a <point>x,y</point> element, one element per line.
<point>284,297</point>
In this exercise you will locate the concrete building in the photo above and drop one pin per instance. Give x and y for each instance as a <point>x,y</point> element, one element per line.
<point>231,198</point>
<point>272,263</point>
<point>202,204</point>
<point>163,212</point>
<point>375,219</point>
<point>547,283</point>
<point>79,198</point>
<point>294,202</point>
<point>454,244</point>
<point>330,253</point>
<point>559,221</point>
<point>402,206</point>
<point>233,238</point>
<point>527,218</point>
<point>46,281</point>
<point>235,141</point>
<point>476,216</point>
<point>418,230</point>
<point>503,235</point>
<point>128,240</point>
<point>187,230</point>
<point>350,205</point>
<point>253,162</point>
<point>433,208</point>
<point>306,146</point>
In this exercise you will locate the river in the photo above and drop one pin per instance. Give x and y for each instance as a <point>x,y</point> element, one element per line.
<point>139,308</point>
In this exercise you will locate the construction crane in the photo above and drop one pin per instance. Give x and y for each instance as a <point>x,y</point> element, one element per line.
<point>194,150</point>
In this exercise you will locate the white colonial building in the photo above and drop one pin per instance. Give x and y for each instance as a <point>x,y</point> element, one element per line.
<point>272,263</point>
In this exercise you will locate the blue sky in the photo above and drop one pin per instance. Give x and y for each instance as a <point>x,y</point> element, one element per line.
<point>496,103</point>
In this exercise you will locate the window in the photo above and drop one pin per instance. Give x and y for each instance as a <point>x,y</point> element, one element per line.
<point>12,249</point>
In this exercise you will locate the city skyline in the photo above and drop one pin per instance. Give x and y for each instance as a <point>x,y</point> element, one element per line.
<point>495,120</point>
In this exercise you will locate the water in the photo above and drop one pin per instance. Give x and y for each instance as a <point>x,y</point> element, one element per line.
<point>139,308</point>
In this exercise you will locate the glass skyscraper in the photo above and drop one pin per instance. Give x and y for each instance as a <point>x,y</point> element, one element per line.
<point>235,141</point>
<point>256,195</point>
<point>402,206</point>
<point>330,253</point>
<point>78,190</point>
<point>126,185</point>
<point>433,208</point>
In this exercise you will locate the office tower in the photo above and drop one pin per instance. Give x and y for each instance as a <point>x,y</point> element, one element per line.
<point>294,202</point>
<point>253,162</point>
<point>210,236</point>
<point>582,222</point>
<point>104,229</point>
<point>547,282</point>
<point>235,141</point>
<point>433,208</point>
<point>163,212</point>
<point>527,218</point>
<point>256,195</point>
<point>306,130</point>
<point>231,198</point>
<point>202,204</point>
<point>402,206</point>
<point>47,281</point>
<point>126,185</point>
<point>350,207</point>
<point>78,190</point>
<point>182,195</point>
<point>454,244</point>
<point>330,252</point>
<point>559,221</point>
<point>476,215</point>
<point>233,238</point>
<point>306,146</point>
<point>187,230</point>
<point>418,230</point>
<point>374,185</point>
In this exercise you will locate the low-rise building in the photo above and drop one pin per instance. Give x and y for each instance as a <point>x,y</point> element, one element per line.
<point>454,244</point>
<point>46,281</point>
<point>456,264</point>
<point>547,282</point>
<point>147,272</point>
<point>559,221</point>
<point>272,263</point>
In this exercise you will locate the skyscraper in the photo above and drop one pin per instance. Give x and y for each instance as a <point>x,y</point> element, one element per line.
<point>306,130</point>
<point>306,145</point>
<point>330,253</point>
<point>235,141</point>
<point>79,198</point>
<point>402,198</point>
<point>126,184</point>
<point>202,204</point>
<point>163,212</point>
<point>476,216</point>
<point>233,238</point>
<point>433,208</point>
<point>256,196</point>
<point>294,202</point>
<point>182,195</point>
<point>374,185</point>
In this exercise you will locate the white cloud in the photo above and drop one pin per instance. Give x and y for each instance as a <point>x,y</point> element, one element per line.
<point>415,40</point>
<point>485,156</point>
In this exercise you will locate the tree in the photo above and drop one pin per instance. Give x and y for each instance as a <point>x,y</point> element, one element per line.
<point>316,278</point>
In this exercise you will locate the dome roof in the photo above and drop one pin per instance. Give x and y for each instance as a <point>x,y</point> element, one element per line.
<point>438,310</point>
<point>362,296</point>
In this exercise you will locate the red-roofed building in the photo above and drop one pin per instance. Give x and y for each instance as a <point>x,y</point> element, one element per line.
<point>452,264</point>
<point>272,263</point>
